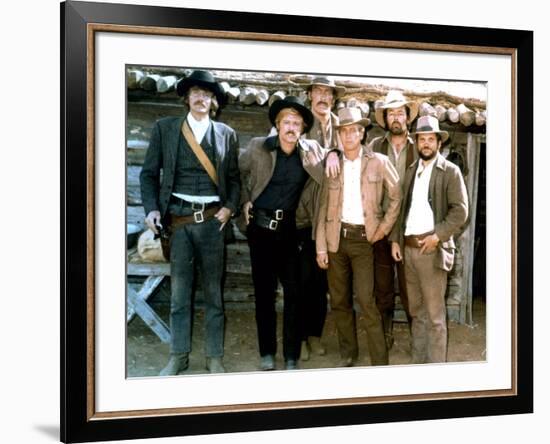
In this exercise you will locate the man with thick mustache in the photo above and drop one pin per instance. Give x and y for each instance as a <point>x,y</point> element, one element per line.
<point>274,171</point>
<point>195,196</point>
<point>434,209</point>
<point>396,114</point>
<point>322,93</point>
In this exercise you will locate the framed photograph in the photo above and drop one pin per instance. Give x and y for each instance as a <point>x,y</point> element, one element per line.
<point>121,65</point>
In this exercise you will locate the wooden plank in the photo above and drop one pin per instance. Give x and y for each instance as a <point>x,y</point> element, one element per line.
<point>148,315</point>
<point>146,290</point>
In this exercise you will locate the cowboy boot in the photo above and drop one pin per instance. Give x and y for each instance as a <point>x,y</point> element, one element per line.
<point>178,362</point>
<point>316,346</point>
<point>215,365</point>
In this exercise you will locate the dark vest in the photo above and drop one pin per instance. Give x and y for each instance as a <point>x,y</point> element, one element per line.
<point>190,175</point>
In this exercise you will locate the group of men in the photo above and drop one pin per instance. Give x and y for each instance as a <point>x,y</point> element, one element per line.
<point>322,211</point>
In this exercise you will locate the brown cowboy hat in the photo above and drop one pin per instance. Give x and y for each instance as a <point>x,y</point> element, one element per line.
<point>395,99</point>
<point>429,124</point>
<point>350,116</point>
<point>295,103</point>
<point>202,79</point>
<point>325,81</point>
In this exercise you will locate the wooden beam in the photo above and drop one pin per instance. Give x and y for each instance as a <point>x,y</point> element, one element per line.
<point>148,315</point>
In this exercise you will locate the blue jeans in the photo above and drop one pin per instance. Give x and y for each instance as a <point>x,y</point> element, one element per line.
<point>201,245</point>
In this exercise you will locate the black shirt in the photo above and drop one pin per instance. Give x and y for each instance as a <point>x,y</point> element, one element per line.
<point>289,177</point>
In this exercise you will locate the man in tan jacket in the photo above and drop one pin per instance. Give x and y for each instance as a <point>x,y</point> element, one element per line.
<point>350,221</point>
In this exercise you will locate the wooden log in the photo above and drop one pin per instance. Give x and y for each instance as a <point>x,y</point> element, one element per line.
<point>481,118</point>
<point>356,103</point>
<point>233,94</point>
<point>248,95</point>
<point>262,96</point>
<point>134,77</point>
<point>453,115</point>
<point>225,87</point>
<point>441,113</point>
<point>278,95</point>
<point>467,116</point>
<point>166,83</point>
<point>149,82</point>
<point>426,109</point>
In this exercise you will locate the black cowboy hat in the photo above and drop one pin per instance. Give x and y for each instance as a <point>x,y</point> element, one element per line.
<point>295,103</point>
<point>202,79</point>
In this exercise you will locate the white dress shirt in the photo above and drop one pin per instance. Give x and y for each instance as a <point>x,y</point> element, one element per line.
<point>421,217</point>
<point>352,205</point>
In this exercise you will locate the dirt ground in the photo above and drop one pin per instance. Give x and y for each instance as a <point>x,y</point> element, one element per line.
<point>146,355</point>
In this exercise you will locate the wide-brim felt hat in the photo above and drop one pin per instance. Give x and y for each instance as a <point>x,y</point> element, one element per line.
<point>350,116</point>
<point>295,103</point>
<point>325,81</point>
<point>395,99</point>
<point>429,124</point>
<point>202,79</point>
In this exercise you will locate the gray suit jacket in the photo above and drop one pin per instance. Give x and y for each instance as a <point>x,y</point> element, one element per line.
<point>162,153</point>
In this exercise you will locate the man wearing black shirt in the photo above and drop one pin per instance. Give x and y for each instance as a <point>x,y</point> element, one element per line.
<point>274,171</point>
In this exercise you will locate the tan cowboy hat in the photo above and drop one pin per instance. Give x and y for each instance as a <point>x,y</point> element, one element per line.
<point>325,81</point>
<point>395,99</point>
<point>429,124</point>
<point>349,116</point>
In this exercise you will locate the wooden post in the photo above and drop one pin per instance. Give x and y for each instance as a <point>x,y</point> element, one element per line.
<point>481,118</point>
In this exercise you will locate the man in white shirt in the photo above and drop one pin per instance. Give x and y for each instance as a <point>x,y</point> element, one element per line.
<point>350,221</point>
<point>193,199</point>
<point>434,209</point>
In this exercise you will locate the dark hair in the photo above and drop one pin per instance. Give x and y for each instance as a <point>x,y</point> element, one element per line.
<point>437,135</point>
<point>214,105</point>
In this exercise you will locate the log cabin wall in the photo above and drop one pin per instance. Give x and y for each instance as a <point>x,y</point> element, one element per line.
<point>465,122</point>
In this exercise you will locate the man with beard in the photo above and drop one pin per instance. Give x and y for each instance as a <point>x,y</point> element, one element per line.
<point>193,198</point>
<point>396,114</point>
<point>434,208</point>
<point>350,221</point>
<point>322,93</point>
<point>274,171</point>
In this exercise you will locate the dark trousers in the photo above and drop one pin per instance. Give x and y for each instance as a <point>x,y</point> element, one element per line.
<point>384,290</point>
<point>350,272</point>
<point>312,309</point>
<point>201,245</point>
<point>274,255</point>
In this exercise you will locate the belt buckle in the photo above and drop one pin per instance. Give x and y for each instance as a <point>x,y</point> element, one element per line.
<point>273,224</point>
<point>345,233</point>
<point>198,216</point>
<point>198,207</point>
<point>279,215</point>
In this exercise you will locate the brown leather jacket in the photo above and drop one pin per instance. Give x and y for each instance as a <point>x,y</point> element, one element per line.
<point>378,176</point>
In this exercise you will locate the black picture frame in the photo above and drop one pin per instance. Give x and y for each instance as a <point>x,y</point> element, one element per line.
<point>79,422</point>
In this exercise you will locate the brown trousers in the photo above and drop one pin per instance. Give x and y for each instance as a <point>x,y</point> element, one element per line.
<point>426,286</point>
<point>350,273</point>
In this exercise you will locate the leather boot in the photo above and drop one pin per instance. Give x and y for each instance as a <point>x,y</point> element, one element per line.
<point>215,365</point>
<point>316,346</point>
<point>387,323</point>
<point>304,351</point>
<point>178,362</point>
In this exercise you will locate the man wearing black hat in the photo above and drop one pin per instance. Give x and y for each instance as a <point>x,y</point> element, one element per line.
<point>322,94</point>
<point>193,198</point>
<point>395,115</point>
<point>274,171</point>
<point>434,209</point>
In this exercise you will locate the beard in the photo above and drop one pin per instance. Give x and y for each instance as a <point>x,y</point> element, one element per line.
<point>427,156</point>
<point>397,130</point>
